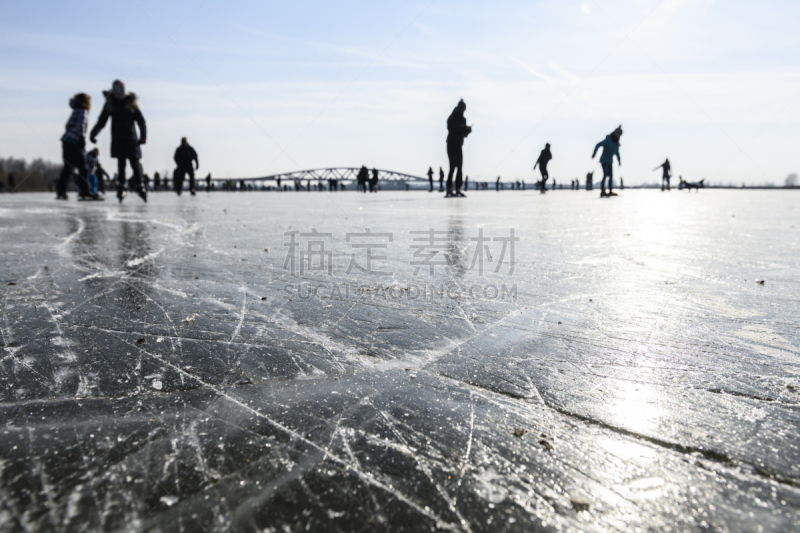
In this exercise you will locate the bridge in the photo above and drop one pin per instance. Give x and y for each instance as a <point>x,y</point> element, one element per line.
<point>337,173</point>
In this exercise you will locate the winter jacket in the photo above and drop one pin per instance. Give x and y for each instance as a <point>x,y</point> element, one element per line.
<point>456,127</point>
<point>544,157</point>
<point>184,156</point>
<point>76,128</point>
<point>610,149</point>
<point>124,113</point>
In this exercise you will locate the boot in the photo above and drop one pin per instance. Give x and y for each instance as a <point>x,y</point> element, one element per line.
<point>142,194</point>
<point>121,194</point>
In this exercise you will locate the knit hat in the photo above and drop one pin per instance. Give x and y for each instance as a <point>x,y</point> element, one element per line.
<point>118,88</point>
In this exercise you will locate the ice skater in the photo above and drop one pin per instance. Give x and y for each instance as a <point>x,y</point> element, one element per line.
<point>362,179</point>
<point>185,155</point>
<point>72,145</point>
<point>208,182</point>
<point>666,173</point>
<point>544,157</point>
<point>373,182</point>
<point>441,180</point>
<point>124,111</point>
<point>610,147</point>
<point>457,131</point>
<point>430,178</point>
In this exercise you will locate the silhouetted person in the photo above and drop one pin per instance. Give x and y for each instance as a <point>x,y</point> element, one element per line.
<point>544,157</point>
<point>621,183</point>
<point>497,184</point>
<point>666,174</point>
<point>185,155</point>
<point>610,147</point>
<point>590,181</point>
<point>72,144</point>
<point>430,178</point>
<point>156,181</point>
<point>208,181</point>
<point>457,131</point>
<point>121,106</point>
<point>12,182</point>
<point>166,182</point>
<point>373,182</point>
<point>362,179</point>
<point>441,180</point>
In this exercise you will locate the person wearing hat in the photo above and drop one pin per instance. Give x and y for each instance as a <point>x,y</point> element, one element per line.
<point>457,130</point>
<point>123,109</point>
<point>72,143</point>
<point>610,147</point>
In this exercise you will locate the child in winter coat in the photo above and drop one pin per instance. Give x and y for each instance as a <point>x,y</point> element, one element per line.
<point>96,172</point>
<point>72,144</point>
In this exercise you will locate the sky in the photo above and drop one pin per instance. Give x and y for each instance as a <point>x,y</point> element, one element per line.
<point>263,87</point>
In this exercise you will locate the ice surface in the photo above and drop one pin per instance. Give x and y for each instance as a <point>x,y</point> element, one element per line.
<point>162,371</point>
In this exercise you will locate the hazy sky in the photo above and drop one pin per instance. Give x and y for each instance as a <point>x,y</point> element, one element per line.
<point>267,87</point>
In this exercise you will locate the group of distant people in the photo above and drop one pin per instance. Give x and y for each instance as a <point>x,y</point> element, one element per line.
<point>84,167</point>
<point>458,130</point>
<point>122,108</point>
<point>363,180</point>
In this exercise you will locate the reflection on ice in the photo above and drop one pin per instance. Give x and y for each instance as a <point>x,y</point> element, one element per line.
<point>635,406</point>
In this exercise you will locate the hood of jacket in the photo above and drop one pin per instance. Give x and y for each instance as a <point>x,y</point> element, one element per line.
<point>129,101</point>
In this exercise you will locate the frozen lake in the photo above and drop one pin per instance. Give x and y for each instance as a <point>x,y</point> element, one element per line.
<point>323,362</point>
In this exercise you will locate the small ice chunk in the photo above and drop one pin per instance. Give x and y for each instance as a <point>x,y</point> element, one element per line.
<point>157,384</point>
<point>169,501</point>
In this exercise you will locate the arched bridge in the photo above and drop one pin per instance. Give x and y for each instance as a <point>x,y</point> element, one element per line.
<point>338,173</point>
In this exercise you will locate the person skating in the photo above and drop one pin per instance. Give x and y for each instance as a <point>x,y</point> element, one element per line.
<point>12,183</point>
<point>544,157</point>
<point>610,147</point>
<point>373,182</point>
<point>441,180</point>
<point>184,157</point>
<point>72,145</point>
<point>457,131</point>
<point>97,173</point>
<point>666,174</point>
<point>122,108</point>
<point>156,181</point>
<point>430,178</point>
<point>208,182</point>
<point>362,178</point>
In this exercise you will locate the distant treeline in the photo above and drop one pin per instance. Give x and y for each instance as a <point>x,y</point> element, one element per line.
<point>37,175</point>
